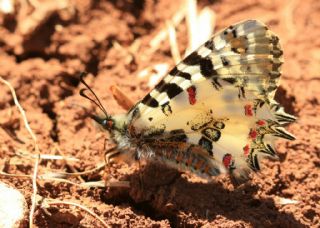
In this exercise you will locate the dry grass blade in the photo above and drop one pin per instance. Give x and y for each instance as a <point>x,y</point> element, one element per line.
<point>287,16</point>
<point>25,120</point>
<point>98,168</point>
<point>66,162</point>
<point>93,184</point>
<point>200,26</point>
<point>206,23</point>
<point>46,177</point>
<point>57,202</point>
<point>173,43</point>
<point>15,175</point>
<point>60,180</point>
<point>192,24</point>
<point>26,154</point>
<point>161,36</point>
<point>285,201</point>
<point>34,193</point>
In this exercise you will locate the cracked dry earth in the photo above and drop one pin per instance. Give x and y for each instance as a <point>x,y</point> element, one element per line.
<point>43,68</point>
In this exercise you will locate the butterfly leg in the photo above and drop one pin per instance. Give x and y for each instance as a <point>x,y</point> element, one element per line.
<point>140,176</point>
<point>109,160</point>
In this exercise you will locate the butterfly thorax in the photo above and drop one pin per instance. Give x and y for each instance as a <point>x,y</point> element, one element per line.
<point>119,127</point>
<point>124,134</point>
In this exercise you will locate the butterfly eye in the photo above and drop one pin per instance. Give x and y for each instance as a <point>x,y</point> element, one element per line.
<point>107,123</point>
<point>110,123</point>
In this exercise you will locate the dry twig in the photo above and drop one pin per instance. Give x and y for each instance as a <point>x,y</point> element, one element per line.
<point>173,43</point>
<point>48,177</point>
<point>90,171</point>
<point>58,202</point>
<point>161,36</point>
<point>16,102</point>
<point>34,193</point>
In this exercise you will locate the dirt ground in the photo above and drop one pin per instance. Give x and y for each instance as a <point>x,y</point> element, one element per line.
<point>42,60</point>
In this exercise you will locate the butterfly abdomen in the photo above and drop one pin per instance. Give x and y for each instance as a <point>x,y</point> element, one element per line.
<point>186,157</point>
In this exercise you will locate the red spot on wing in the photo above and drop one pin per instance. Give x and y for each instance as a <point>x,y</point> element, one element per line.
<point>246,150</point>
<point>227,160</point>
<point>261,122</point>
<point>253,134</point>
<point>192,95</point>
<point>248,110</point>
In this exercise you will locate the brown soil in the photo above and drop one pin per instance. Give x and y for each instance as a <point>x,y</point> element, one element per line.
<point>43,65</point>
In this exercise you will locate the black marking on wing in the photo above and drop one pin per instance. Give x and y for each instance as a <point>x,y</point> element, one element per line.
<point>150,101</point>
<point>235,50</point>
<point>176,72</point>
<point>272,88</point>
<point>274,40</point>
<point>234,32</point>
<point>225,61</point>
<point>160,85</point>
<point>199,125</point>
<point>242,92</point>
<point>268,150</point>
<point>253,162</point>
<point>277,53</point>
<point>206,144</point>
<point>135,111</point>
<point>177,135</point>
<point>219,125</point>
<point>166,109</point>
<point>216,83</point>
<point>206,67</point>
<point>256,162</point>
<point>230,80</point>
<point>271,150</point>
<point>274,75</point>
<point>172,90</point>
<point>210,45</point>
<point>193,59</point>
<point>276,66</point>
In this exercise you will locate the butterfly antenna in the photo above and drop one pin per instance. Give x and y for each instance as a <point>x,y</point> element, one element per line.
<point>82,93</point>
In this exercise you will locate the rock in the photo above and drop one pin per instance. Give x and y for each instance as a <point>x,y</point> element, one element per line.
<point>12,207</point>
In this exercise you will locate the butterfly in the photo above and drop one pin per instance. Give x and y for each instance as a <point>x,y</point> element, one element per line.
<point>213,113</point>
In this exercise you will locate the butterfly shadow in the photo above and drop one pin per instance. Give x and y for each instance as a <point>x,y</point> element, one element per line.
<point>163,193</point>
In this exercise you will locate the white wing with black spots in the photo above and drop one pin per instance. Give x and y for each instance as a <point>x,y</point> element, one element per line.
<point>231,80</point>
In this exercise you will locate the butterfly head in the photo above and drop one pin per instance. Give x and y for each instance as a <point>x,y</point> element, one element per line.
<point>106,121</point>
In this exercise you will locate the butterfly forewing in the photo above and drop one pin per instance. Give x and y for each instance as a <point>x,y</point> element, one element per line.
<point>220,98</point>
